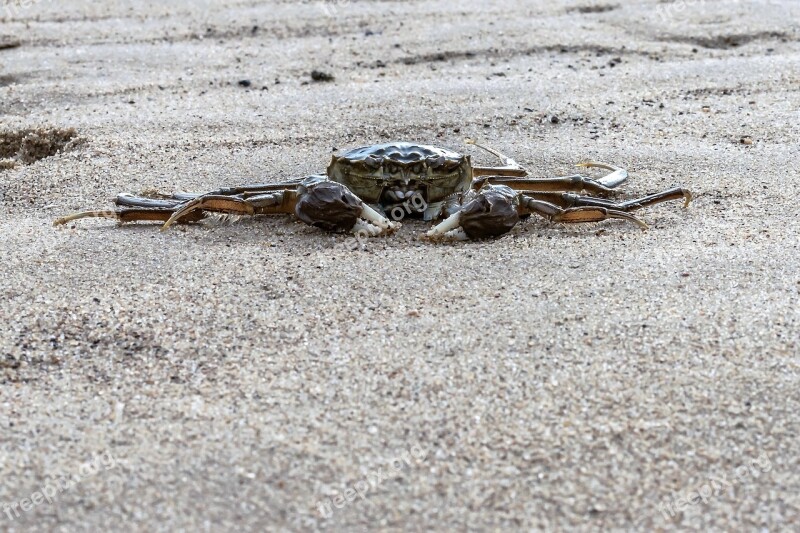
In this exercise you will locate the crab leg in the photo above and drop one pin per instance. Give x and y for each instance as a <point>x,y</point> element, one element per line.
<point>261,204</point>
<point>567,200</point>
<point>576,183</point>
<point>317,201</point>
<point>129,200</point>
<point>244,190</point>
<point>124,215</point>
<point>617,177</point>
<point>170,211</point>
<point>487,214</point>
<point>574,214</point>
<point>139,208</point>
<point>510,167</point>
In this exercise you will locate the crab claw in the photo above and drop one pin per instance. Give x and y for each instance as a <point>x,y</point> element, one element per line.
<point>491,213</point>
<point>332,207</point>
<point>370,221</point>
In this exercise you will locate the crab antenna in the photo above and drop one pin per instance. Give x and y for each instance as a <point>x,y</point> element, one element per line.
<point>507,161</point>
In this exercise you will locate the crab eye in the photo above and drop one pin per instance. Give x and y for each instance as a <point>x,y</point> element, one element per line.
<point>436,162</point>
<point>417,169</point>
<point>373,161</point>
<point>451,164</point>
<point>391,168</point>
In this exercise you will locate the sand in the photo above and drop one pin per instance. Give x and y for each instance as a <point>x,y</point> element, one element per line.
<point>266,376</point>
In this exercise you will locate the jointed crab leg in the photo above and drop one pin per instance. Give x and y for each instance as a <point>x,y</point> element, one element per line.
<point>510,167</point>
<point>574,214</point>
<point>262,204</point>
<point>495,209</point>
<point>315,200</point>
<point>567,199</point>
<point>576,183</point>
<point>617,177</point>
<point>369,220</point>
<point>137,208</point>
<point>245,190</point>
<point>677,193</point>
<point>123,215</point>
<point>568,207</point>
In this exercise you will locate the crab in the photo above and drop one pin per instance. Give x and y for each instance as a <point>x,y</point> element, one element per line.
<point>368,190</point>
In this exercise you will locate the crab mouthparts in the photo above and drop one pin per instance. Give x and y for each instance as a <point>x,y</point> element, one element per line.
<point>398,195</point>
<point>399,192</point>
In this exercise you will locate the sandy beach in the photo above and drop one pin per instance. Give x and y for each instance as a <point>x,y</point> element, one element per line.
<point>266,375</point>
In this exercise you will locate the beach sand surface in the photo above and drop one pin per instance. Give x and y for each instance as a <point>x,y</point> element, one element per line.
<point>265,375</point>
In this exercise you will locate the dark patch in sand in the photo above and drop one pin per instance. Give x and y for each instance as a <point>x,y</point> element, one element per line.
<point>726,42</point>
<point>717,91</point>
<point>600,8</point>
<point>494,53</point>
<point>30,145</point>
<point>7,43</point>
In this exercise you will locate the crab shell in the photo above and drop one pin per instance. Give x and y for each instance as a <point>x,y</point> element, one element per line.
<point>387,174</point>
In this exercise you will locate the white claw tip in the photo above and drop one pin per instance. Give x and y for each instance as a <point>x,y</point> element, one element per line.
<point>373,217</point>
<point>450,223</point>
